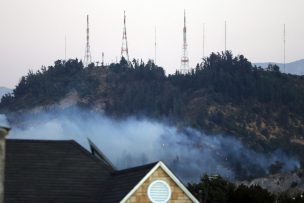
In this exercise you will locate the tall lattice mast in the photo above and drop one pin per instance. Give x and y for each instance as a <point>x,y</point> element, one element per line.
<point>184,60</point>
<point>65,49</point>
<point>102,62</point>
<point>155,45</point>
<point>87,57</point>
<point>284,42</point>
<point>225,36</point>
<point>204,40</point>
<point>124,46</point>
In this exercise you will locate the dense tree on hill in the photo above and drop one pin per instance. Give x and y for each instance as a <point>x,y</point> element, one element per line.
<point>212,189</point>
<point>215,189</point>
<point>251,194</point>
<point>223,94</point>
<point>224,77</point>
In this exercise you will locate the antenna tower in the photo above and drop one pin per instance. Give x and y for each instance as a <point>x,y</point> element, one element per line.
<point>225,36</point>
<point>102,62</point>
<point>284,42</point>
<point>155,46</point>
<point>87,56</point>
<point>184,60</point>
<point>65,42</point>
<point>124,46</point>
<point>204,40</point>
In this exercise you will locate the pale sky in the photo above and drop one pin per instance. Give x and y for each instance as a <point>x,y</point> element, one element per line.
<point>33,31</point>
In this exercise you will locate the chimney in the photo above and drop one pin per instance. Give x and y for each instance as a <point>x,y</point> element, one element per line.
<point>4,129</point>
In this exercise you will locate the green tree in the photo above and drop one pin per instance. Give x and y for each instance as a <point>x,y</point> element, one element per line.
<point>212,189</point>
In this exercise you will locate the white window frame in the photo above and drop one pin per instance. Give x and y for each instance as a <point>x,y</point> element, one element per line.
<point>163,182</point>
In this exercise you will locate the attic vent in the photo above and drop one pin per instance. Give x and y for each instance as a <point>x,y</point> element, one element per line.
<point>159,191</point>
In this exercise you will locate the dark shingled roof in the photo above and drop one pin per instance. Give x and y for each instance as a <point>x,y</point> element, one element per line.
<point>63,171</point>
<point>122,182</point>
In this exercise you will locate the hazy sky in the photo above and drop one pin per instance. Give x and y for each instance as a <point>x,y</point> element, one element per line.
<point>33,31</point>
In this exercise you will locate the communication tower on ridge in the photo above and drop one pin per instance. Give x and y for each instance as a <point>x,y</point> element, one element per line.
<point>225,36</point>
<point>155,45</point>
<point>102,62</point>
<point>124,46</point>
<point>284,43</point>
<point>204,40</point>
<point>65,50</point>
<point>87,57</point>
<point>184,60</point>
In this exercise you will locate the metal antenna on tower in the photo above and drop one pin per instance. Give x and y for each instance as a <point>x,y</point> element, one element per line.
<point>102,62</point>
<point>65,48</point>
<point>124,46</point>
<point>204,40</point>
<point>155,46</point>
<point>225,36</point>
<point>87,56</point>
<point>184,60</point>
<point>284,42</point>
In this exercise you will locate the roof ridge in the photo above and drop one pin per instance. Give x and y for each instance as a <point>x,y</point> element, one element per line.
<point>136,168</point>
<point>90,155</point>
<point>37,140</point>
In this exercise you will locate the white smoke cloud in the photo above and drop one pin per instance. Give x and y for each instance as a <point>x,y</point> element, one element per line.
<point>136,141</point>
<point>3,121</point>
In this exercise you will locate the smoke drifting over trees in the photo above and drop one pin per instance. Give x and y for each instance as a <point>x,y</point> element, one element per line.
<point>134,141</point>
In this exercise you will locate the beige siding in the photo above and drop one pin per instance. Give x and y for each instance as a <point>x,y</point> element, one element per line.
<point>141,194</point>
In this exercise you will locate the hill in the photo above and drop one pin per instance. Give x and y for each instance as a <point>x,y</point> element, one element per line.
<point>295,67</point>
<point>292,182</point>
<point>273,189</point>
<point>224,94</point>
<point>4,90</point>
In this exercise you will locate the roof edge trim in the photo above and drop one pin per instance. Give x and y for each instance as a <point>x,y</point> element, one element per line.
<point>140,183</point>
<point>178,182</point>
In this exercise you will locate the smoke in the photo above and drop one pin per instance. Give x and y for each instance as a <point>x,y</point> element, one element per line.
<point>136,141</point>
<point>3,121</point>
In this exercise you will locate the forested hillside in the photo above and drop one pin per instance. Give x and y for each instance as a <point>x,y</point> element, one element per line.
<point>223,94</point>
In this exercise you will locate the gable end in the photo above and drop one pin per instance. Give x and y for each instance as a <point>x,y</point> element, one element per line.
<point>159,172</point>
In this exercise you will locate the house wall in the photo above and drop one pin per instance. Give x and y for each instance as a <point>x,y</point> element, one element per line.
<point>2,162</point>
<point>141,194</point>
